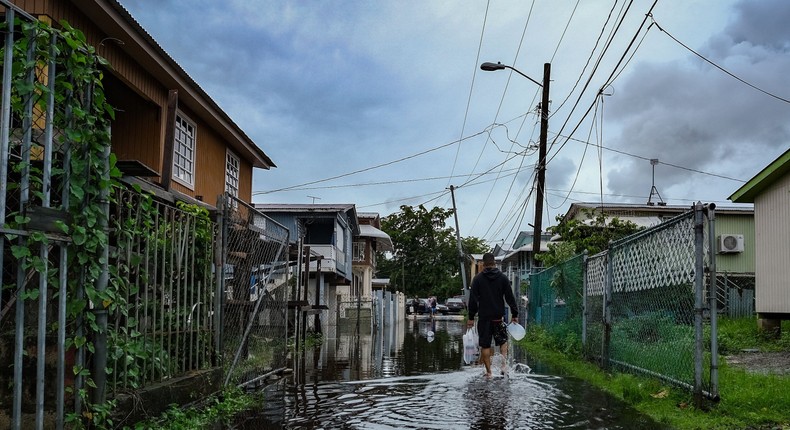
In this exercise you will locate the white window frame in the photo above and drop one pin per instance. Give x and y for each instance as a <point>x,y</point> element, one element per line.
<point>358,251</point>
<point>232,162</point>
<point>184,148</point>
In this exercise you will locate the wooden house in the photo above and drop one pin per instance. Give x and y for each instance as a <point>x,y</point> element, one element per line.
<point>168,134</point>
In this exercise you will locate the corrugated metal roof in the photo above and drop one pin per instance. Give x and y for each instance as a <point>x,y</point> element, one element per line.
<point>262,160</point>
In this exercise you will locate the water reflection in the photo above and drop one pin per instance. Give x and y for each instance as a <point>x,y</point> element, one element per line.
<point>406,378</point>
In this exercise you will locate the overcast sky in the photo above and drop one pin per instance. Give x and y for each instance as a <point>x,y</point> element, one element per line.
<point>383,103</point>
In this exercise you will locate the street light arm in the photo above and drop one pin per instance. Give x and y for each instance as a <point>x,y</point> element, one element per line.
<point>540,177</point>
<point>490,67</point>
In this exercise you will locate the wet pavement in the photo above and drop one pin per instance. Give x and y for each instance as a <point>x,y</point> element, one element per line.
<point>413,377</point>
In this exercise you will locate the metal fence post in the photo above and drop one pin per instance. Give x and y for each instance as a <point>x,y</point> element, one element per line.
<point>699,267</point>
<point>607,311</point>
<point>584,301</point>
<point>714,296</point>
<point>219,292</point>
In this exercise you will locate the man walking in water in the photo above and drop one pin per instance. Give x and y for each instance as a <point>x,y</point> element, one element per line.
<point>490,290</point>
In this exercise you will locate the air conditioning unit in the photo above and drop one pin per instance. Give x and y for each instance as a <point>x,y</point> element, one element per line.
<point>730,243</point>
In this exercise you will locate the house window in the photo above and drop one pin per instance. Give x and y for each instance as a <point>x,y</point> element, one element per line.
<point>232,174</point>
<point>359,251</point>
<point>184,148</point>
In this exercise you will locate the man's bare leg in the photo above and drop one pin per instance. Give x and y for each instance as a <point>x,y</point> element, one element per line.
<point>485,356</point>
<point>503,351</point>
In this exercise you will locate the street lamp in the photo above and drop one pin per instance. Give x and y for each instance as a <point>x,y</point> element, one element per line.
<point>544,127</point>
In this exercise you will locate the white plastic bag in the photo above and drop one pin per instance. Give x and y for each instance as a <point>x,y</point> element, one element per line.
<point>471,343</point>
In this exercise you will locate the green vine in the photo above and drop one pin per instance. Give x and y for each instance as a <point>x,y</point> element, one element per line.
<point>82,122</point>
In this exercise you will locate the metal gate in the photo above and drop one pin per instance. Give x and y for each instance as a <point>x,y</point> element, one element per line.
<point>43,105</point>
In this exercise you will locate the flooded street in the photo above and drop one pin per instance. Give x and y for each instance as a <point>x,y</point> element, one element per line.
<point>413,377</point>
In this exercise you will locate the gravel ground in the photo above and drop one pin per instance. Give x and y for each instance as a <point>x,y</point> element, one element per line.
<point>762,362</point>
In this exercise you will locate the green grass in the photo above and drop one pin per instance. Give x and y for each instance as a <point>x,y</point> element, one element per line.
<point>748,400</point>
<point>218,411</point>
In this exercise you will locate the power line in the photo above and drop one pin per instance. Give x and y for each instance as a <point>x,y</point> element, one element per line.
<point>641,157</point>
<point>393,182</point>
<point>606,82</point>
<point>471,87</point>
<point>716,65</point>
<point>484,205</point>
<point>389,163</point>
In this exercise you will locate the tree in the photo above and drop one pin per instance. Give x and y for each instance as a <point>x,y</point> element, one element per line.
<point>593,236</point>
<point>474,245</point>
<point>425,257</point>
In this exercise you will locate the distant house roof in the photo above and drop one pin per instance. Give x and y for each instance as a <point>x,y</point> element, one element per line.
<point>525,237</point>
<point>372,215</point>
<point>379,283</point>
<point>762,180</point>
<point>113,19</point>
<point>631,211</point>
<point>382,238</point>
<point>544,247</point>
<point>307,209</point>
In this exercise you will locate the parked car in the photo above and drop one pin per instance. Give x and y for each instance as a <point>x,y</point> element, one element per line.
<point>422,306</point>
<point>455,305</point>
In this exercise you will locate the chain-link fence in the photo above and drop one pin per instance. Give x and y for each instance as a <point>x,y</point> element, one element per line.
<point>641,305</point>
<point>556,293</point>
<point>253,281</point>
<point>652,300</point>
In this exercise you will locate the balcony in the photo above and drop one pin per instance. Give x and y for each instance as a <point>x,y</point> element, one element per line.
<point>333,261</point>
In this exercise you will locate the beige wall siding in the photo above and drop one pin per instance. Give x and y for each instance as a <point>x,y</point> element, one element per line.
<point>772,231</point>
<point>740,262</point>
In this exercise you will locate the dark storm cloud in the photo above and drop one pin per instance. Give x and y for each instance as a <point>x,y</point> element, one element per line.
<point>762,23</point>
<point>693,115</point>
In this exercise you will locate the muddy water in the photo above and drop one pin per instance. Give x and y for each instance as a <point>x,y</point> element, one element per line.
<point>413,377</point>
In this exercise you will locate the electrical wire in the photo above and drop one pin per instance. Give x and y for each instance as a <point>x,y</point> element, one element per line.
<point>484,206</point>
<point>716,65</point>
<point>641,157</point>
<point>393,182</point>
<point>471,88</point>
<point>377,166</point>
<point>606,82</point>
<point>589,58</point>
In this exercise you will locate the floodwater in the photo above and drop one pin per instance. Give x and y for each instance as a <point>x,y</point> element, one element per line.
<point>412,377</point>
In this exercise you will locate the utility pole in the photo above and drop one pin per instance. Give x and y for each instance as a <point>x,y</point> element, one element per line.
<point>540,177</point>
<point>541,173</point>
<point>460,248</point>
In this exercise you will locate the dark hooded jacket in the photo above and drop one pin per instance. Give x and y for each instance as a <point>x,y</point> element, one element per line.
<point>490,290</point>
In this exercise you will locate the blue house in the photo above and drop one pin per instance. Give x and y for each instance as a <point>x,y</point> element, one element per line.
<point>328,229</point>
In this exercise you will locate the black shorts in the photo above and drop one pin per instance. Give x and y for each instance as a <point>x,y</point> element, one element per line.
<point>486,329</point>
